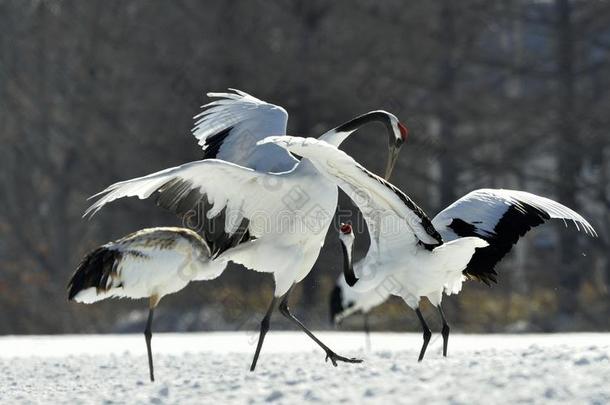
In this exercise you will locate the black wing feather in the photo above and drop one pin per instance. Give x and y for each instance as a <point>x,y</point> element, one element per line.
<point>516,222</point>
<point>212,144</point>
<point>179,197</point>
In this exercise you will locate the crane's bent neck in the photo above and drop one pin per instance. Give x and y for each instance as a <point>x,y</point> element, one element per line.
<point>337,135</point>
<point>348,265</point>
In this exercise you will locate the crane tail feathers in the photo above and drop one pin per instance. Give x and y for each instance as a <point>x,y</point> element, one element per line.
<point>94,275</point>
<point>453,257</point>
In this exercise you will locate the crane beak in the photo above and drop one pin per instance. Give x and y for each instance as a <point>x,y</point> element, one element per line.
<point>392,157</point>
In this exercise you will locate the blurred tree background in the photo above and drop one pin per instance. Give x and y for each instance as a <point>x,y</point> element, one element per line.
<point>512,94</point>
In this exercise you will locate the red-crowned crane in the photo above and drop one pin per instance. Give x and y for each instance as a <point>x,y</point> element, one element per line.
<point>408,255</point>
<point>498,216</point>
<point>150,263</point>
<point>277,206</point>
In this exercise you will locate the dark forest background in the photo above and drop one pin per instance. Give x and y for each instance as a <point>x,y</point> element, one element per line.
<point>511,94</point>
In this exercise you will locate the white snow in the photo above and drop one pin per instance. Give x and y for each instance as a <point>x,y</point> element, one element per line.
<point>207,367</point>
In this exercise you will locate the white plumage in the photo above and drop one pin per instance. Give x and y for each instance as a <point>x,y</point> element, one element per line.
<point>346,300</point>
<point>242,120</point>
<point>486,207</point>
<point>153,262</point>
<point>402,236</point>
<point>407,254</point>
<point>498,216</point>
<point>353,302</point>
<point>150,263</point>
<point>270,222</point>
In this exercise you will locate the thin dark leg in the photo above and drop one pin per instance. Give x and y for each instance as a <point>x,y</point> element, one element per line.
<point>367,332</point>
<point>148,337</point>
<point>427,334</point>
<point>445,330</point>
<point>329,353</point>
<point>264,330</point>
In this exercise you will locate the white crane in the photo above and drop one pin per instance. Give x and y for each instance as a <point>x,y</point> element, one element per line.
<point>498,216</point>
<point>150,263</point>
<point>281,219</point>
<point>407,253</point>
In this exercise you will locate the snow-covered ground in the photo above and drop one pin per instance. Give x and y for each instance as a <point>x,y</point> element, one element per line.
<point>204,368</point>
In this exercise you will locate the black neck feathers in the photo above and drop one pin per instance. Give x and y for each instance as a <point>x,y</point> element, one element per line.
<point>348,268</point>
<point>374,116</point>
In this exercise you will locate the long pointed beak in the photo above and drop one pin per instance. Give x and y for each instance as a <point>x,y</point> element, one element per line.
<point>392,157</point>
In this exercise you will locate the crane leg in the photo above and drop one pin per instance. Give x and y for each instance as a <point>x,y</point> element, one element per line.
<point>445,330</point>
<point>264,330</point>
<point>367,332</point>
<point>427,334</point>
<point>148,337</point>
<point>334,357</point>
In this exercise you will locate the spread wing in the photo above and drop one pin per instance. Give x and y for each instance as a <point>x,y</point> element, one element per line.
<point>220,200</point>
<point>500,217</point>
<point>229,128</point>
